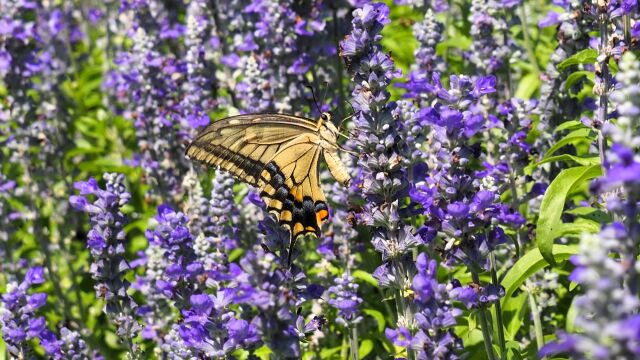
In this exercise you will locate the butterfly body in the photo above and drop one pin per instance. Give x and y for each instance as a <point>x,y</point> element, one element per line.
<point>279,154</point>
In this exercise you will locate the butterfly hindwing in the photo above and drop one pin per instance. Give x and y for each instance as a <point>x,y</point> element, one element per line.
<point>290,187</point>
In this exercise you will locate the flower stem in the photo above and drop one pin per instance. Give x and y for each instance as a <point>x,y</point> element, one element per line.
<point>402,307</point>
<point>537,323</point>
<point>603,20</point>
<point>344,348</point>
<point>499,322</point>
<point>353,343</point>
<point>515,204</point>
<point>527,41</point>
<point>486,333</point>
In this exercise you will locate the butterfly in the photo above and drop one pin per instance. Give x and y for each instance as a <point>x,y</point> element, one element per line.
<point>278,154</point>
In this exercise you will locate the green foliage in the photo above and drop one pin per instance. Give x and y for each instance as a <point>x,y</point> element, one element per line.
<point>550,226</point>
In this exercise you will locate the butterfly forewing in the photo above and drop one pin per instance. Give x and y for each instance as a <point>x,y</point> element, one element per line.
<point>242,145</point>
<point>279,154</point>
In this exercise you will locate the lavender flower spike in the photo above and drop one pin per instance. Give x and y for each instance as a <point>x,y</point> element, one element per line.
<point>106,242</point>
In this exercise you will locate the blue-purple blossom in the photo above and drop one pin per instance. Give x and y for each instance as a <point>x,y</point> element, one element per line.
<point>430,331</point>
<point>19,318</point>
<point>344,297</point>
<point>607,313</point>
<point>106,242</point>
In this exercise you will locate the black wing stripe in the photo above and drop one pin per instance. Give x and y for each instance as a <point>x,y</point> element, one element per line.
<point>302,217</point>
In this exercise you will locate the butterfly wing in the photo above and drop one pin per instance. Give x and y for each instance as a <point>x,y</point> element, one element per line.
<point>242,145</point>
<point>278,154</point>
<point>291,187</point>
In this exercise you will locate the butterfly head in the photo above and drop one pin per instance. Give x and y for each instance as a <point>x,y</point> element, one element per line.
<point>328,131</point>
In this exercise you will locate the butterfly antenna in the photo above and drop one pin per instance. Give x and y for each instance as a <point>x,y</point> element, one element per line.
<point>315,99</point>
<point>326,88</point>
<point>345,119</point>
<point>349,151</point>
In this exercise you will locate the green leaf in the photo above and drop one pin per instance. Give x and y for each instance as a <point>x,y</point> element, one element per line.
<point>586,56</point>
<point>235,254</point>
<point>568,125</point>
<point>3,349</point>
<point>528,265</point>
<point>328,353</point>
<point>513,350</point>
<point>513,315</point>
<point>574,137</point>
<point>549,223</point>
<point>593,160</point>
<point>574,77</point>
<point>364,348</point>
<point>573,285</point>
<point>528,85</point>
<point>263,352</point>
<point>456,42</point>
<point>378,316</point>
<point>366,277</point>
<point>578,227</point>
<point>571,316</point>
<point>588,212</point>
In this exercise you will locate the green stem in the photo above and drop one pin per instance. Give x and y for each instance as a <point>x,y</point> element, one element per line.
<point>486,332</point>
<point>353,343</point>
<point>626,21</point>
<point>603,110</point>
<point>527,41</point>
<point>401,306</point>
<point>515,203</point>
<point>499,322</point>
<point>537,323</point>
<point>60,295</point>
<point>344,348</point>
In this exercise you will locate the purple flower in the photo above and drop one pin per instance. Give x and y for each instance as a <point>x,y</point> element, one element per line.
<point>607,315</point>
<point>435,316</point>
<point>106,242</point>
<point>344,297</point>
<point>35,275</point>
<point>19,321</point>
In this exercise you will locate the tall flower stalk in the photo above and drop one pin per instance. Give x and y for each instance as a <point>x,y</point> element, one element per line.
<point>106,242</point>
<point>382,180</point>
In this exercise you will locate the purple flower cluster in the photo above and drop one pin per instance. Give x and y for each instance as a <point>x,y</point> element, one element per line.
<point>382,180</point>
<point>20,322</point>
<point>430,331</point>
<point>106,242</point>
<point>163,93</point>
<point>344,297</point>
<point>429,34</point>
<point>276,292</point>
<point>208,318</point>
<point>223,306</point>
<point>606,313</point>
<point>270,46</point>
<point>458,204</point>
<point>489,50</point>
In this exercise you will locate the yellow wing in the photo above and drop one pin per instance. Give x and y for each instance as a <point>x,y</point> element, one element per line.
<point>291,187</point>
<point>242,145</point>
<point>278,154</point>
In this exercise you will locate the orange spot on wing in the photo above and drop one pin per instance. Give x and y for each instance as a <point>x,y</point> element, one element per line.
<point>297,193</point>
<point>321,216</point>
